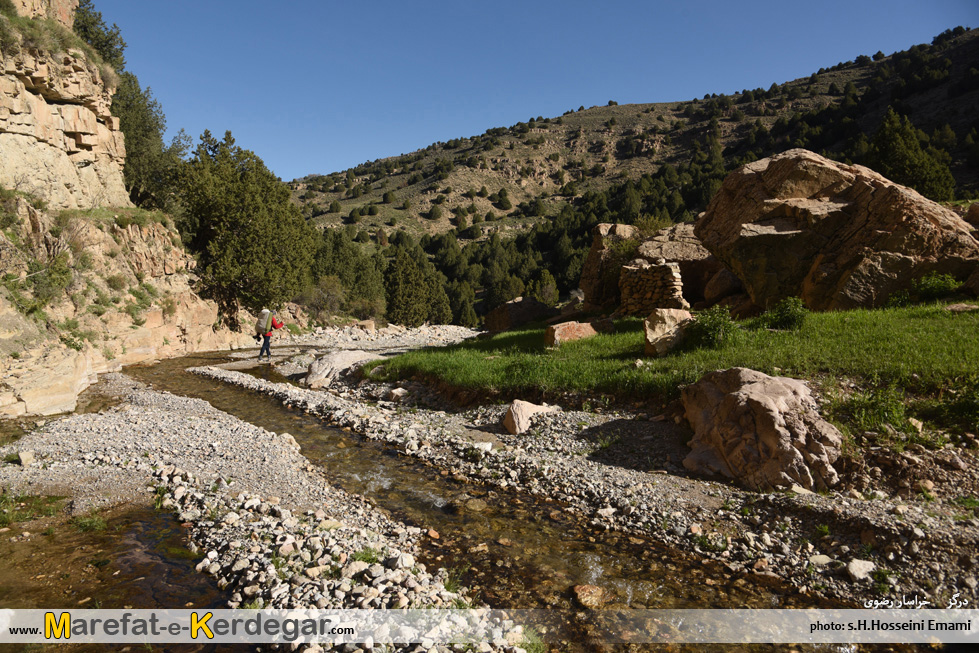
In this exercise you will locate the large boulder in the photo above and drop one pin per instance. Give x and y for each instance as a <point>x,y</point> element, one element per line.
<point>972,215</point>
<point>664,330</point>
<point>324,370</point>
<point>557,334</point>
<point>600,271</point>
<point>519,414</point>
<point>762,431</point>
<point>838,236</point>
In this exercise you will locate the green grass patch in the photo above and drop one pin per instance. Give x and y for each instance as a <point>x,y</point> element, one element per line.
<point>972,503</point>
<point>25,508</point>
<point>453,581</point>
<point>920,348</point>
<point>90,523</point>
<point>368,555</point>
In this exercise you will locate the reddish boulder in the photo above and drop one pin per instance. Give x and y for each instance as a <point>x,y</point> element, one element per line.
<point>556,334</point>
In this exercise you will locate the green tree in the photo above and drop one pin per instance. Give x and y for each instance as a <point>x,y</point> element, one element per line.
<point>255,249</point>
<point>896,153</point>
<point>106,41</point>
<point>439,310</point>
<point>406,290</point>
<point>151,168</point>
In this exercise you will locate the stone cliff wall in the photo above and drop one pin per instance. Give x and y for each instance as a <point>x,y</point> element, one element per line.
<point>58,139</point>
<point>62,11</point>
<point>90,331</point>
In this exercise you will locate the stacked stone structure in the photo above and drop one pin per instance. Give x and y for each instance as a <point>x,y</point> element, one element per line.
<point>644,286</point>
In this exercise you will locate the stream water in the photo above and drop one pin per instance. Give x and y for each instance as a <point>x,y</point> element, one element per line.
<point>516,551</point>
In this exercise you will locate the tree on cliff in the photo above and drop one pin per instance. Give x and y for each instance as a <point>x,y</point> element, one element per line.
<point>254,246</point>
<point>151,167</point>
<point>104,39</point>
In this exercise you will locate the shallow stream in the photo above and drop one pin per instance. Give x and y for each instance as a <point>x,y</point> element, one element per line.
<point>513,550</point>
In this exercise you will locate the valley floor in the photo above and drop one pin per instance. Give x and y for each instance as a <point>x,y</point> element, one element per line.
<point>259,512</point>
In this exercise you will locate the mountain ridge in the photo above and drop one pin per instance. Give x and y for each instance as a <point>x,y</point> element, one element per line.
<point>546,162</point>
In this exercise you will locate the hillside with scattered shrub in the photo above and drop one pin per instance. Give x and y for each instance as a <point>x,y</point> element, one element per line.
<point>510,178</point>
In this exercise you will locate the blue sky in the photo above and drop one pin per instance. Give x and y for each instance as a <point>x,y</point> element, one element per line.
<point>316,86</point>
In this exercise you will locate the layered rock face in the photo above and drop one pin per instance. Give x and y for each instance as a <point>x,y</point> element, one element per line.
<point>38,374</point>
<point>57,137</point>
<point>838,236</point>
<point>62,11</point>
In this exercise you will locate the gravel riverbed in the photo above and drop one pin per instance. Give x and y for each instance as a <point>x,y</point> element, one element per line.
<point>910,531</point>
<point>269,526</point>
<point>274,532</point>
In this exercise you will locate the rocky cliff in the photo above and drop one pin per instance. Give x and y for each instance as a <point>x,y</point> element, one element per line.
<point>83,291</point>
<point>62,11</point>
<point>127,298</point>
<point>58,140</point>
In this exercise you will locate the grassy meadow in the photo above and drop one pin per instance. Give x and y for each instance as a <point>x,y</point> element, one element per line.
<point>925,358</point>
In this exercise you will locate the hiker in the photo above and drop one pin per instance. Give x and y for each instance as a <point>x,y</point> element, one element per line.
<point>263,327</point>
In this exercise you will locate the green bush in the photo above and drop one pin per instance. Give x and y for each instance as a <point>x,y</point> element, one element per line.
<point>873,410</point>
<point>116,282</point>
<point>169,306</point>
<point>787,315</point>
<point>135,311</point>
<point>934,286</point>
<point>712,329</point>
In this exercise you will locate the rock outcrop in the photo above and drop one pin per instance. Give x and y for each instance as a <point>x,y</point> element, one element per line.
<point>838,236</point>
<point>762,431</point>
<point>62,11</point>
<point>96,326</point>
<point>58,139</point>
<point>601,274</point>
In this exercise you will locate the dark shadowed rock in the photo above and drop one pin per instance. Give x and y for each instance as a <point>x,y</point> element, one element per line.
<point>600,272</point>
<point>679,244</point>
<point>518,312</point>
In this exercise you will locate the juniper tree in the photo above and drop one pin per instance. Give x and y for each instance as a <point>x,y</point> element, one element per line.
<point>254,246</point>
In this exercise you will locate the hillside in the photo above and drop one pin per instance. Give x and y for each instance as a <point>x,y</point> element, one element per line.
<point>545,163</point>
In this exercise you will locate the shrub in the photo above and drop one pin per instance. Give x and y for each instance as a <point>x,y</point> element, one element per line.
<point>116,282</point>
<point>788,315</point>
<point>712,329</point>
<point>934,286</point>
<point>169,306</point>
